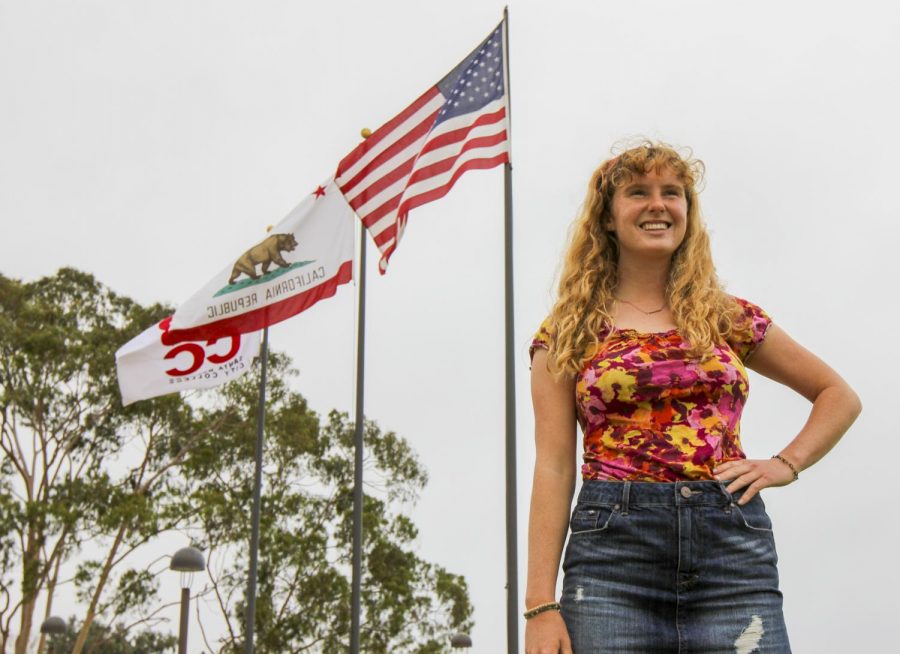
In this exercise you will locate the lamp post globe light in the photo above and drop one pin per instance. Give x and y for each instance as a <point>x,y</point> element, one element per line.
<point>187,561</point>
<point>460,641</point>
<point>53,626</point>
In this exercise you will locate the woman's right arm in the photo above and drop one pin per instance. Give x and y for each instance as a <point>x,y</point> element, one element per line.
<point>551,498</point>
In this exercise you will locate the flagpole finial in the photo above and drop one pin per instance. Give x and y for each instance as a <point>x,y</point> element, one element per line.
<point>365,132</point>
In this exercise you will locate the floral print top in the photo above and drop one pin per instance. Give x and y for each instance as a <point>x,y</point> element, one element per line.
<point>651,412</point>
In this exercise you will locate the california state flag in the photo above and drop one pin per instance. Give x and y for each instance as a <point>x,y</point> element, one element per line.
<point>303,260</point>
<point>151,364</point>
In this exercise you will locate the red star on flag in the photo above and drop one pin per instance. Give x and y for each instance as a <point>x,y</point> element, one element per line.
<point>319,192</point>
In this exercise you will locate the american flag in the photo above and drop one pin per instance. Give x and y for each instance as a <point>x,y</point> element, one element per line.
<point>459,124</point>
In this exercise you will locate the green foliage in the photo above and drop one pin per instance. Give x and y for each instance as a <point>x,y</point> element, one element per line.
<point>77,467</point>
<point>105,640</point>
<point>409,605</point>
<point>135,590</point>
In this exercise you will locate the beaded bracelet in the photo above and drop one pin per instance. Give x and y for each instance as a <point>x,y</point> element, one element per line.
<point>788,464</point>
<point>541,608</point>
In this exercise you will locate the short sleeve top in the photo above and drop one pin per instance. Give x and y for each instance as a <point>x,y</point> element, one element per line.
<point>650,411</point>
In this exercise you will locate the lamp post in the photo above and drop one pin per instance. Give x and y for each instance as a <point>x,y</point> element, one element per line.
<point>460,641</point>
<point>187,561</point>
<point>52,626</point>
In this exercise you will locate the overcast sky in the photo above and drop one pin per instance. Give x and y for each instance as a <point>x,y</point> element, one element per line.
<point>150,143</point>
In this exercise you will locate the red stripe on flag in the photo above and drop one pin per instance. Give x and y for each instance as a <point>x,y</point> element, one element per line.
<point>390,152</point>
<point>379,185</point>
<point>385,235</point>
<point>382,132</point>
<point>380,212</point>
<point>438,167</point>
<point>439,192</point>
<point>460,133</point>
<point>385,255</point>
<point>268,315</point>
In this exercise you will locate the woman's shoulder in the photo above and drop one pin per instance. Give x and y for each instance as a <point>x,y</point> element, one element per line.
<point>750,328</point>
<point>542,337</point>
<point>546,334</point>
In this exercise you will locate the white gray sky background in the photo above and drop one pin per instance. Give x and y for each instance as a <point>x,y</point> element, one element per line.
<point>149,143</point>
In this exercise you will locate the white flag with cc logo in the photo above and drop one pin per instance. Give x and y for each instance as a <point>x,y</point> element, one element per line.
<point>151,364</point>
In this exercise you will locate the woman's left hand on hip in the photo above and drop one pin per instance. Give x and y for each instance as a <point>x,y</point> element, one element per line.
<point>753,475</point>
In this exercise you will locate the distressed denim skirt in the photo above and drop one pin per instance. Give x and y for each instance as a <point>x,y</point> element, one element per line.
<point>671,567</point>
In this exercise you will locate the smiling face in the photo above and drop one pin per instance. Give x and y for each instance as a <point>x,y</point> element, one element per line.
<point>649,215</point>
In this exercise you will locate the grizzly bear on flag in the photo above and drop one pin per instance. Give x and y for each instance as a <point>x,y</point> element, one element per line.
<point>265,253</point>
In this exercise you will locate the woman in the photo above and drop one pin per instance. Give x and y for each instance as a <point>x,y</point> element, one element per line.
<point>671,549</point>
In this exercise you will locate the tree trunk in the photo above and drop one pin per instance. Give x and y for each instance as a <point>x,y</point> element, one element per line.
<point>95,598</point>
<point>30,568</point>
<point>51,589</point>
<point>24,627</point>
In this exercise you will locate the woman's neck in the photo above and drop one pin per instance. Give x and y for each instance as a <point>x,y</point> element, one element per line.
<point>643,281</point>
<point>641,290</point>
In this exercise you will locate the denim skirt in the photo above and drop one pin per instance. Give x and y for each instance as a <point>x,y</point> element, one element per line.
<point>671,567</point>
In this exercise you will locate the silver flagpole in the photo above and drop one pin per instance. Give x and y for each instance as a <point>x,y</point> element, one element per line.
<point>356,585</point>
<point>512,554</point>
<point>257,498</point>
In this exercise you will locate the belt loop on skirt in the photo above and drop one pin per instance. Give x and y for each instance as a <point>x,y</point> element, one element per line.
<point>626,493</point>
<point>725,492</point>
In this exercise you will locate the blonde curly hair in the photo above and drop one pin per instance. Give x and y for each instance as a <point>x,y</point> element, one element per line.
<point>704,314</point>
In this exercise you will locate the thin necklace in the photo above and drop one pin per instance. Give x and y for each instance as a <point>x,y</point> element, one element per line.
<point>646,313</point>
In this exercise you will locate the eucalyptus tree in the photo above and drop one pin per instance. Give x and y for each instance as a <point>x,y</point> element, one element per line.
<point>85,484</point>
<point>77,467</point>
<point>409,604</point>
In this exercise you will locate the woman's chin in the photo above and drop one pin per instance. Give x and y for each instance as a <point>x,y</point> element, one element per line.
<point>653,250</point>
